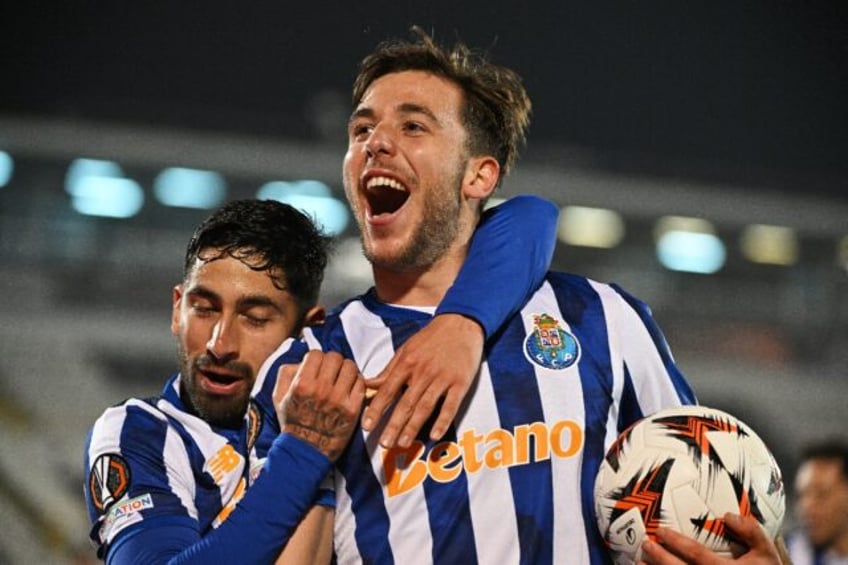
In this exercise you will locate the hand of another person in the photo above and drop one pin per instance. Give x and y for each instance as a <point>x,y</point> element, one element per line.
<point>439,362</point>
<point>676,549</point>
<point>320,400</point>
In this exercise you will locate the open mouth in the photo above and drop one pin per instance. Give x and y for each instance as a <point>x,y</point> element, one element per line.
<point>220,382</point>
<point>385,195</point>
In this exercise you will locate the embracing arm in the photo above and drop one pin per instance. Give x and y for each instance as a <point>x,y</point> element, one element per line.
<point>267,516</point>
<point>318,405</point>
<point>509,255</point>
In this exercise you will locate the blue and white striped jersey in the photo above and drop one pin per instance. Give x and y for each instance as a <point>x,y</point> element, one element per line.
<point>149,462</point>
<point>802,551</point>
<point>512,480</point>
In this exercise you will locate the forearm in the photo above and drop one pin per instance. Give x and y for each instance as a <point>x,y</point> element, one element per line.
<point>267,516</point>
<point>270,511</point>
<point>509,255</point>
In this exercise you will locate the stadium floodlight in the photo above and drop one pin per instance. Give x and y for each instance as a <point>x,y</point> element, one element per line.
<point>314,198</point>
<point>109,197</point>
<point>584,226</point>
<point>7,168</point>
<point>98,188</point>
<point>689,245</point>
<point>770,245</point>
<point>182,187</point>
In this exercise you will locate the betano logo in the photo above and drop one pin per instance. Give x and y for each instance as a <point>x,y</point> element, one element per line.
<point>407,468</point>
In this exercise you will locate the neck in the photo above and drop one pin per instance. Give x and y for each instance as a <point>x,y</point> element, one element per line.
<point>418,286</point>
<point>840,545</point>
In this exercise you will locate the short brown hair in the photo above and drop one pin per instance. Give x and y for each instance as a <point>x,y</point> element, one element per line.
<point>496,111</point>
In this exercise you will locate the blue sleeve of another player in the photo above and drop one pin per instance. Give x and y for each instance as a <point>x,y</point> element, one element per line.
<point>509,255</point>
<point>258,528</point>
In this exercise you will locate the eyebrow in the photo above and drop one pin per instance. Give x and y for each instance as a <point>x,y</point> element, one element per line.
<point>403,108</point>
<point>244,302</point>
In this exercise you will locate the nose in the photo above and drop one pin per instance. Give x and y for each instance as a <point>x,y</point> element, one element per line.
<point>223,343</point>
<point>380,141</point>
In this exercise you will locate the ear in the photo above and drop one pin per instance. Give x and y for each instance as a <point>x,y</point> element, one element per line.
<point>315,316</point>
<point>481,177</point>
<point>177,300</point>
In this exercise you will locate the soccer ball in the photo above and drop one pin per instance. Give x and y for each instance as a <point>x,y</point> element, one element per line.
<point>683,468</point>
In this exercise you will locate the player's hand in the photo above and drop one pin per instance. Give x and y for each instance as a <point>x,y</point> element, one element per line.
<point>676,549</point>
<point>320,400</point>
<point>439,362</point>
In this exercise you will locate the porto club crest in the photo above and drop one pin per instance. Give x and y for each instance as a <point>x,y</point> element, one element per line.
<point>549,345</point>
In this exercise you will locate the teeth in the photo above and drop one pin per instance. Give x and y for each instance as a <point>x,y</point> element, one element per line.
<point>384,181</point>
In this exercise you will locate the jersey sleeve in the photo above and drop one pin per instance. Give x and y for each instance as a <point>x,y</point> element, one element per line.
<point>128,481</point>
<point>257,529</point>
<point>265,518</point>
<point>509,255</point>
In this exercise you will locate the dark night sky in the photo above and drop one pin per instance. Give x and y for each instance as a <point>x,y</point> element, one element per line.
<point>738,86</point>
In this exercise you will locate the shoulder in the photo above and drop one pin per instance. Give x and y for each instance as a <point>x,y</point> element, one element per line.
<point>577,286</point>
<point>133,419</point>
<point>116,417</point>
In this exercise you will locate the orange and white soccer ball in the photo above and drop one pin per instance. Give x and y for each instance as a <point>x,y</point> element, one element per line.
<point>683,468</point>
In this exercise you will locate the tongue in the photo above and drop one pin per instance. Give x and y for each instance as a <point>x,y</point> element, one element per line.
<point>386,200</point>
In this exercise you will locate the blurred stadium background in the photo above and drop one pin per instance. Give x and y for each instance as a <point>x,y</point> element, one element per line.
<point>699,153</point>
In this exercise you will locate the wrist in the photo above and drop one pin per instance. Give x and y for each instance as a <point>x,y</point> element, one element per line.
<point>460,322</point>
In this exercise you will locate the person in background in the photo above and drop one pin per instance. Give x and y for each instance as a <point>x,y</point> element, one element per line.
<point>196,475</point>
<point>821,491</point>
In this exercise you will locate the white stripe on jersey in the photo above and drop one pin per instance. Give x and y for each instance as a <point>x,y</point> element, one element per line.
<point>180,475</point>
<point>371,343</point>
<point>367,335</point>
<point>262,374</point>
<point>569,526</point>
<point>211,445</point>
<point>580,406</point>
<point>104,440</point>
<point>632,341</point>
<point>492,506</point>
<point>608,295</point>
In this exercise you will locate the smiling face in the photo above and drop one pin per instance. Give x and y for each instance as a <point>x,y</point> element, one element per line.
<point>227,318</point>
<point>406,168</point>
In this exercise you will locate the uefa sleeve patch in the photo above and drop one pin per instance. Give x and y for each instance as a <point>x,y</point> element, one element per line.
<point>549,345</point>
<point>108,480</point>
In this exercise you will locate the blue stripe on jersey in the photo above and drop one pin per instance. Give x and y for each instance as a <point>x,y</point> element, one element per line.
<point>147,465</point>
<point>684,391</point>
<point>532,483</point>
<point>518,401</point>
<point>630,411</point>
<point>372,520</point>
<point>264,398</point>
<point>366,493</point>
<point>450,523</point>
<point>446,528</point>
<point>207,498</point>
<point>581,306</point>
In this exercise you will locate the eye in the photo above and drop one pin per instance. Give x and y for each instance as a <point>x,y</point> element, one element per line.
<point>360,130</point>
<point>414,127</point>
<point>256,320</point>
<point>203,308</point>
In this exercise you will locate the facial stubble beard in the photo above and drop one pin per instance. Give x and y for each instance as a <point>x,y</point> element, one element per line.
<point>434,235</point>
<point>223,412</point>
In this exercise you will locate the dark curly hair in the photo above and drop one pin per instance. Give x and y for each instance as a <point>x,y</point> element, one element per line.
<point>497,108</point>
<point>275,237</point>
